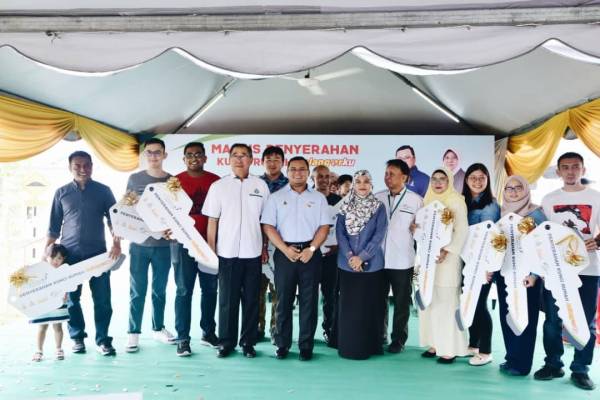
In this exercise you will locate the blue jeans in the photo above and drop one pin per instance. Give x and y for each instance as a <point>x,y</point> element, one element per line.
<point>186,271</point>
<point>100,288</point>
<point>141,258</point>
<point>553,327</point>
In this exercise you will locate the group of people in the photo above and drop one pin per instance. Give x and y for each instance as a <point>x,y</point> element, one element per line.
<point>353,246</point>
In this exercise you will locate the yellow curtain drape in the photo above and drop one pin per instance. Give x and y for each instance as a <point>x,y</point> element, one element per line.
<point>529,154</point>
<point>28,128</point>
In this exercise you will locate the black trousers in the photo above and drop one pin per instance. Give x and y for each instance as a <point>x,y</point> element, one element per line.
<point>305,277</point>
<point>400,281</point>
<point>239,280</point>
<point>480,332</point>
<point>361,308</point>
<point>330,289</point>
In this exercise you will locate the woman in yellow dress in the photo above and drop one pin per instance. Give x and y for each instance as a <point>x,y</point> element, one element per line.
<point>438,331</point>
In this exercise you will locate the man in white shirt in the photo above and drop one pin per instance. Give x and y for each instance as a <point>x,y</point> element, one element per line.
<point>296,220</point>
<point>578,207</point>
<point>233,206</point>
<point>401,206</point>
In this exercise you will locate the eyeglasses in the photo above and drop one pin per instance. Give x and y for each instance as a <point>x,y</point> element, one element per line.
<point>191,156</point>
<point>156,153</point>
<point>300,170</point>
<point>479,179</point>
<point>514,189</point>
<point>439,180</point>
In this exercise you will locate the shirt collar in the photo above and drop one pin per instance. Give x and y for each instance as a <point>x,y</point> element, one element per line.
<point>288,187</point>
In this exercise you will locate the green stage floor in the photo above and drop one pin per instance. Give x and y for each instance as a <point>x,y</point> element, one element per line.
<point>158,374</point>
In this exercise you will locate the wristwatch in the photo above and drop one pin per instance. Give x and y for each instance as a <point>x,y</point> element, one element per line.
<point>312,249</point>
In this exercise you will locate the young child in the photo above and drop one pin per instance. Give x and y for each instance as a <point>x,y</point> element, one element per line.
<point>58,254</point>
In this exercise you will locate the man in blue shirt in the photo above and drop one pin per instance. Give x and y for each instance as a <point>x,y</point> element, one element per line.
<point>418,181</point>
<point>77,217</point>
<point>296,220</point>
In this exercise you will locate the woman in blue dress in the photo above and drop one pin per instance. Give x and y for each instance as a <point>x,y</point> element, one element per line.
<point>481,206</point>
<point>360,230</point>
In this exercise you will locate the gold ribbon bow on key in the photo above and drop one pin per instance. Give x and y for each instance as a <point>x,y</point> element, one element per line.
<point>447,216</point>
<point>173,185</point>
<point>499,242</point>
<point>571,255</point>
<point>130,199</point>
<point>19,278</point>
<point>526,225</point>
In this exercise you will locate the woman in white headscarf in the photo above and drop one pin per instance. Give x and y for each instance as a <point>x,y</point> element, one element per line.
<point>519,349</point>
<point>438,330</point>
<point>452,163</point>
<point>360,230</point>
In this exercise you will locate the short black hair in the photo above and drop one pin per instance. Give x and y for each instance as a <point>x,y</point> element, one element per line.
<point>57,249</point>
<point>81,154</point>
<point>569,154</point>
<point>155,141</point>
<point>406,147</point>
<point>400,164</point>
<point>298,158</point>
<point>273,151</point>
<point>242,145</point>
<point>486,196</point>
<point>344,178</point>
<point>194,144</point>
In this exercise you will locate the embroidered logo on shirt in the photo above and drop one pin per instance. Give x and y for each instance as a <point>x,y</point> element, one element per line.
<point>256,193</point>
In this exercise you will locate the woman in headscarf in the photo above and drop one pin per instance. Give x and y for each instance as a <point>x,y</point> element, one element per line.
<point>452,163</point>
<point>519,349</point>
<point>438,330</point>
<point>360,230</point>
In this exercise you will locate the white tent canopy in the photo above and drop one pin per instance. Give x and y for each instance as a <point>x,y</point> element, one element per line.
<point>496,78</point>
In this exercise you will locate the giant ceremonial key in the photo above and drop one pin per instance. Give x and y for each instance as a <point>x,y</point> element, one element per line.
<point>165,206</point>
<point>483,252</point>
<point>126,222</point>
<point>558,254</point>
<point>40,288</point>
<point>515,269</point>
<point>434,231</point>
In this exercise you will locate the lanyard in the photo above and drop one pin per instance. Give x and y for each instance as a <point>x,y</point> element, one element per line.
<point>392,210</point>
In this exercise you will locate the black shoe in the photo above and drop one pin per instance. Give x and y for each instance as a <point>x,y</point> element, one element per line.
<point>78,346</point>
<point>305,355</point>
<point>427,354</point>
<point>249,351</point>
<point>547,373</point>
<point>582,381</point>
<point>395,347</point>
<point>107,350</point>
<point>281,353</point>
<point>183,349</point>
<point>223,352</point>
<point>210,339</point>
<point>260,337</point>
<point>442,360</point>
<point>510,371</point>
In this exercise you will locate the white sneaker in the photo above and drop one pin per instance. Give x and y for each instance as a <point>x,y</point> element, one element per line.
<point>164,336</point>
<point>480,359</point>
<point>133,344</point>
